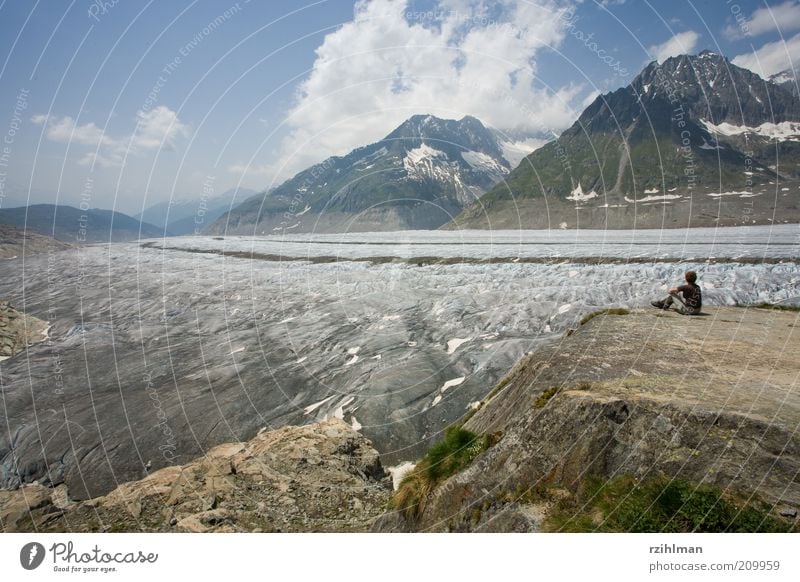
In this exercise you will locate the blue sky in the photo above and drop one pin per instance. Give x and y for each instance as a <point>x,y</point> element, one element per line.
<point>130,103</point>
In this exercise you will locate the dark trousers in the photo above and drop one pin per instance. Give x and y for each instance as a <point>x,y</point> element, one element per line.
<point>684,309</point>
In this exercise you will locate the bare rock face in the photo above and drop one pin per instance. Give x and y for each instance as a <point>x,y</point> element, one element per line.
<point>319,477</point>
<point>18,331</point>
<point>16,242</point>
<point>711,400</point>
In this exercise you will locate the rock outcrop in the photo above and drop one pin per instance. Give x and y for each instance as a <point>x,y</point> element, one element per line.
<point>15,242</point>
<point>18,331</point>
<point>711,400</point>
<point>319,477</point>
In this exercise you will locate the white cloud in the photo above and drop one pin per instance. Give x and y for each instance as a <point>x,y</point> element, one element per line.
<point>465,57</point>
<point>589,99</point>
<point>772,58</point>
<point>64,130</point>
<point>784,17</point>
<point>157,128</point>
<point>681,44</point>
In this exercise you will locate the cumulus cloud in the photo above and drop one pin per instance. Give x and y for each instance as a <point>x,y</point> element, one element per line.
<point>784,17</point>
<point>680,44</point>
<point>772,58</point>
<point>157,128</point>
<point>464,57</point>
<point>64,130</point>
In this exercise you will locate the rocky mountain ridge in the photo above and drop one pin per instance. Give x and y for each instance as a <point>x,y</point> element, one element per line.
<point>75,226</point>
<point>419,176</point>
<point>693,141</point>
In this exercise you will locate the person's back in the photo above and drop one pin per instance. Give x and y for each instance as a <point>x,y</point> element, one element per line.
<point>692,295</point>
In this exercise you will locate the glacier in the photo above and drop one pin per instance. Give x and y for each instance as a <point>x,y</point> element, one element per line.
<point>175,345</point>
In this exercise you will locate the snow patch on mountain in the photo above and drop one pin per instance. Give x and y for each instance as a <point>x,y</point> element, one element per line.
<point>577,194</point>
<point>661,198</point>
<point>783,131</point>
<point>516,151</point>
<point>483,163</point>
<point>427,162</point>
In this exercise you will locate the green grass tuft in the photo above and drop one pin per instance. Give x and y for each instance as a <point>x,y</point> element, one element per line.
<point>611,311</point>
<point>545,396</point>
<point>774,307</point>
<point>659,504</point>
<point>444,459</point>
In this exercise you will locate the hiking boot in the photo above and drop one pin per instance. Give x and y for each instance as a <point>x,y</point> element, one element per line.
<point>658,305</point>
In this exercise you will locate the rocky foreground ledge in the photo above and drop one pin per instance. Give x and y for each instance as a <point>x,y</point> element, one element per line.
<point>703,411</point>
<point>320,477</point>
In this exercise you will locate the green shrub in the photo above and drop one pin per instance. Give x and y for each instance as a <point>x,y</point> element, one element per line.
<point>545,396</point>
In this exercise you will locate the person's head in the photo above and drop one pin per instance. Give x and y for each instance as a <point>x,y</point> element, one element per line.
<point>691,276</point>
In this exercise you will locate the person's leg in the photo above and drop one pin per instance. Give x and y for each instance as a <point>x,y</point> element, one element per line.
<point>663,304</point>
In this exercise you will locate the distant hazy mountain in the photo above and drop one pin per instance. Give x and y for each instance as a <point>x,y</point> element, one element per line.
<point>72,225</point>
<point>695,141</point>
<point>419,176</point>
<point>190,215</point>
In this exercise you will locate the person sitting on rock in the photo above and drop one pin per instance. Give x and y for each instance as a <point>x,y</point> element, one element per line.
<point>692,299</point>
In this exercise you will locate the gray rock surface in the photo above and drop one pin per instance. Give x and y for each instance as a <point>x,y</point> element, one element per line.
<point>18,331</point>
<point>710,399</point>
<point>320,477</point>
<point>15,242</point>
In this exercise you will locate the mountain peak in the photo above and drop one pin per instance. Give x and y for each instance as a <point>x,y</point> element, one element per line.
<point>713,88</point>
<point>662,151</point>
<point>419,176</point>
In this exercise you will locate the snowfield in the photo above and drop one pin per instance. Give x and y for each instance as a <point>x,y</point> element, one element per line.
<point>177,350</point>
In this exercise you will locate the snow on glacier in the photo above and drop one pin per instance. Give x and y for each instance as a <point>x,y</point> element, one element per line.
<point>302,321</point>
<point>775,241</point>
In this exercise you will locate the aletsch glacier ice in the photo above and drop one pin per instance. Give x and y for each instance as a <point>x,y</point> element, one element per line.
<point>163,353</point>
<point>778,241</point>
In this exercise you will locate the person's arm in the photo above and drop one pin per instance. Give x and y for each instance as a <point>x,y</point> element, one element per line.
<point>679,289</point>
